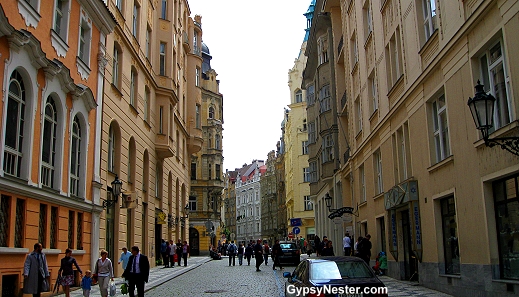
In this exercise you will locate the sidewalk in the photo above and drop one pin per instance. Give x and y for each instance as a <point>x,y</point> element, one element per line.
<point>158,276</point>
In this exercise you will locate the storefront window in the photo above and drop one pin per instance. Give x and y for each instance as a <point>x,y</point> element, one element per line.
<point>506,200</point>
<point>450,236</point>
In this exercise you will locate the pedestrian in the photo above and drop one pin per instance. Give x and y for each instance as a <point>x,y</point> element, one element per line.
<point>241,251</point>
<point>172,251</point>
<point>321,246</point>
<point>258,254</point>
<point>185,252</point>
<point>266,252</point>
<point>364,248</point>
<point>328,249</point>
<point>317,243</point>
<point>105,273</point>
<point>232,249</point>
<point>356,247</point>
<point>179,252</point>
<point>137,272</point>
<point>86,283</point>
<point>346,243</point>
<point>165,258</point>
<point>36,272</point>
<point>125,255</point>
<point>248,253</point>
<point>66,271</point>
<point>302,244</point>
<point>277,252</point>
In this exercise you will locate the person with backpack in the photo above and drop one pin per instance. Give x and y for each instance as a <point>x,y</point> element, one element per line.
<point>266,252</point>
<point>241,251</point>
<point>232,249</point>
<point>248,253</point>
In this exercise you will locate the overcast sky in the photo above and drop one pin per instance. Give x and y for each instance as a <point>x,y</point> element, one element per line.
<point>253,45</point>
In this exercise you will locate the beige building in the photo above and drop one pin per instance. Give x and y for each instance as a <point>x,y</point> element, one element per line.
<point>148,128</point>
<point>440,202</point>
<point>205,198</point>
<point>298,202</point>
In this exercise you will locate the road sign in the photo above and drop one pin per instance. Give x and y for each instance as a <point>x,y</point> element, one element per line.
<point>290,235</point>
<point>296,222</point>
<point>296,230</point>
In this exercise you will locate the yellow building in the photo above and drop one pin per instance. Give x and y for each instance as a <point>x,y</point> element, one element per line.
<point>298,200</point>
<point>149,125</point>
<point>418,174</point>
<point>207,183</point>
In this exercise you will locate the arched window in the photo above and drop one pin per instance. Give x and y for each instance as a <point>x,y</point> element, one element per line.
<point>211,112</point>
<point>299,96</point>
<point>49,143</point>
<point>14,125</point>
<point>75,157</point>
<point>111,149</point>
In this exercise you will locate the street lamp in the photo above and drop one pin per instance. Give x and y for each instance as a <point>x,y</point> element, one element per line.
<point>328,200</point>
<point>116,191</point>
<point>482,110</point>
<point>335,213</point>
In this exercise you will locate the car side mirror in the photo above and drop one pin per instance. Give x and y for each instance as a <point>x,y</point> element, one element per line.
<point>287,274</point>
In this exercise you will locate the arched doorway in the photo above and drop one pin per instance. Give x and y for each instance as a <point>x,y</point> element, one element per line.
<point>194,242</point>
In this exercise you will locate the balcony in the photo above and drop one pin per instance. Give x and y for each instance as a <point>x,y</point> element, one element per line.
<point>185,41</point>
<point>164,146</point>
<point>196,140</point>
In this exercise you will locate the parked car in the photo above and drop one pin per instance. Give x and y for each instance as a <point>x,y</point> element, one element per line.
<point>291,254</point>
<point>334,271</point>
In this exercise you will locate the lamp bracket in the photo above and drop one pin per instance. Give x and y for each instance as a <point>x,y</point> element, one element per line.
<point>337,213</point>
<point>510,144</point>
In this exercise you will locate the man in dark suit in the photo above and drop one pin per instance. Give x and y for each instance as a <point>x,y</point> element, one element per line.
<point>137,272</point>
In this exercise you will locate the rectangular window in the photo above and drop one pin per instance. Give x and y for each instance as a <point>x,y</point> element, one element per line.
<point>324,98</point>
<point>192,203</point>
<point>119,4</point>
<point>146,104</point>
<point>402,154</point>
<point>135,20</point>
<point>162,63</point>
<point>368,24</point>
<point>148,42</point>
<point>310,95</point>
<point>299,96</point>
<point>358,114</point>
<point>362,183</point>
<point>54,227</point>
<point>308,203</point>
<point>506,204</point>
<point>85,35</point>
<point>198,118</point>
<point>304,145</point>
<point>19,224</point>
<point>306,175</point>
<point>71,219</point>
<point>5,210</point>
<point>133,85</point>
<point>429,17</point>
<point>382,234</point>
<point>496,81</point>
<point>377,164</point>
<point>311,132</point>
<point>322,49</point>
<point>61,15</point>
<point>115,67</point>
<point>440,128</point>
<point>327,153</point>
<point>161,120</point>
<point>313,172</point>
<point>372,93</point>
<point>193,171</point>
<point>450,236</point>
<point>197,77</point>
<point>354,50</point>
<point>42,228</point>
<point>217,171</point>
<point>394,59</point>
<point>79,233</point>
<point>163,9</point>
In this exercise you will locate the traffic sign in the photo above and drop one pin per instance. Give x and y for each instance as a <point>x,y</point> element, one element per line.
<point>296,230</point>
<point>290,235</point>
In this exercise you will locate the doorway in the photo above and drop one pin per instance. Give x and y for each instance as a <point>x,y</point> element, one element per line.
<point>194,242</point>
<point>410,260</point>
<point>158,240</point>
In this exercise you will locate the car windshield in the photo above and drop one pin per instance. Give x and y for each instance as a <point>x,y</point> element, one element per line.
<point>326,270</point>
<point>287,246</point>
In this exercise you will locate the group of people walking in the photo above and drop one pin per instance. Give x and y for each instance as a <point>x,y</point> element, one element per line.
<point>174,252</point>
<point>37,277</point>
<point>260,251</point>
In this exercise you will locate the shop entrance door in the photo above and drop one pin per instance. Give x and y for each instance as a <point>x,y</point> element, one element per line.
<point>410,261</point>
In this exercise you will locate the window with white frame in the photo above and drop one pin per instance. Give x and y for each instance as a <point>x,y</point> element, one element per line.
<point>313,171</point>
<point>402,153</point>
<point>14,131</point>
<point>327,153</point>
<point>116,66</point>
<point>393,54</point>
<point>377,164</point>
<point>75,158</point>
<point>306,174</point>
<point>372,93</point>
<point>310,94</point>
<point>311,132</point>
<point>162,60</point>
<point>135,19</point>
<point>308,203</point>
<point>48,152</point>
<point>61,17</point>
<point>354,50</point>
<point>358,115</point>
<point>192,203</point>
<point>196,48</point>
<point>362,183</point>
<point>368,22</point>
<point>119,5</point>
<point>440,128</point>
<point>299,96</point>
<point>496,81</point>
<point>111,149</point>
<point>324,98</point>
<point>304,145</point>
<point>322,49</point>
<point>197,76</point>
<point>198,118</point>
<point>429,17</point>
<point>85,36</point>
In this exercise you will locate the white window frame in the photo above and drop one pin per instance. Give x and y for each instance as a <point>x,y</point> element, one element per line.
<point>116,66</point>
<point>306,175</point>
<point>394,63</point>
<point>48,177</point>
<point>324,98</point>
<point>60,22</point>
<point>309,205</point>
<point>197,76</point>
<point>368,22</point>
<point>372,92</point>
<point>311,132</point>
<point>429,17</point>
<point>440,127</point>
<point>135,19</point>
<point>379,184</point>
<point>298,96</point>
<point>304,145</point>
<point>162,59</point>
<point>75,174</point>
<point>327,152</point>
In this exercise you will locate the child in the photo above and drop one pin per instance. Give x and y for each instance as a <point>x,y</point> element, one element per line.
<point>86,283</point>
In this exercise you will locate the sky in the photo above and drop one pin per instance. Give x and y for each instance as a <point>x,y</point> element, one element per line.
<point>253,45</point>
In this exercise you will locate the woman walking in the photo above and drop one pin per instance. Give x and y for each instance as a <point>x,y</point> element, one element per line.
<point>66,271</point>
<point>105,272</point>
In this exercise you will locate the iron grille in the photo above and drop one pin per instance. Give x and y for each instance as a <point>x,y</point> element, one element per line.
<point>70,229</point>
<point>53,227</point>
<point>4,219</point>
<point>79,240</point>
<point>42,230</point>
<point>20,222</point>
